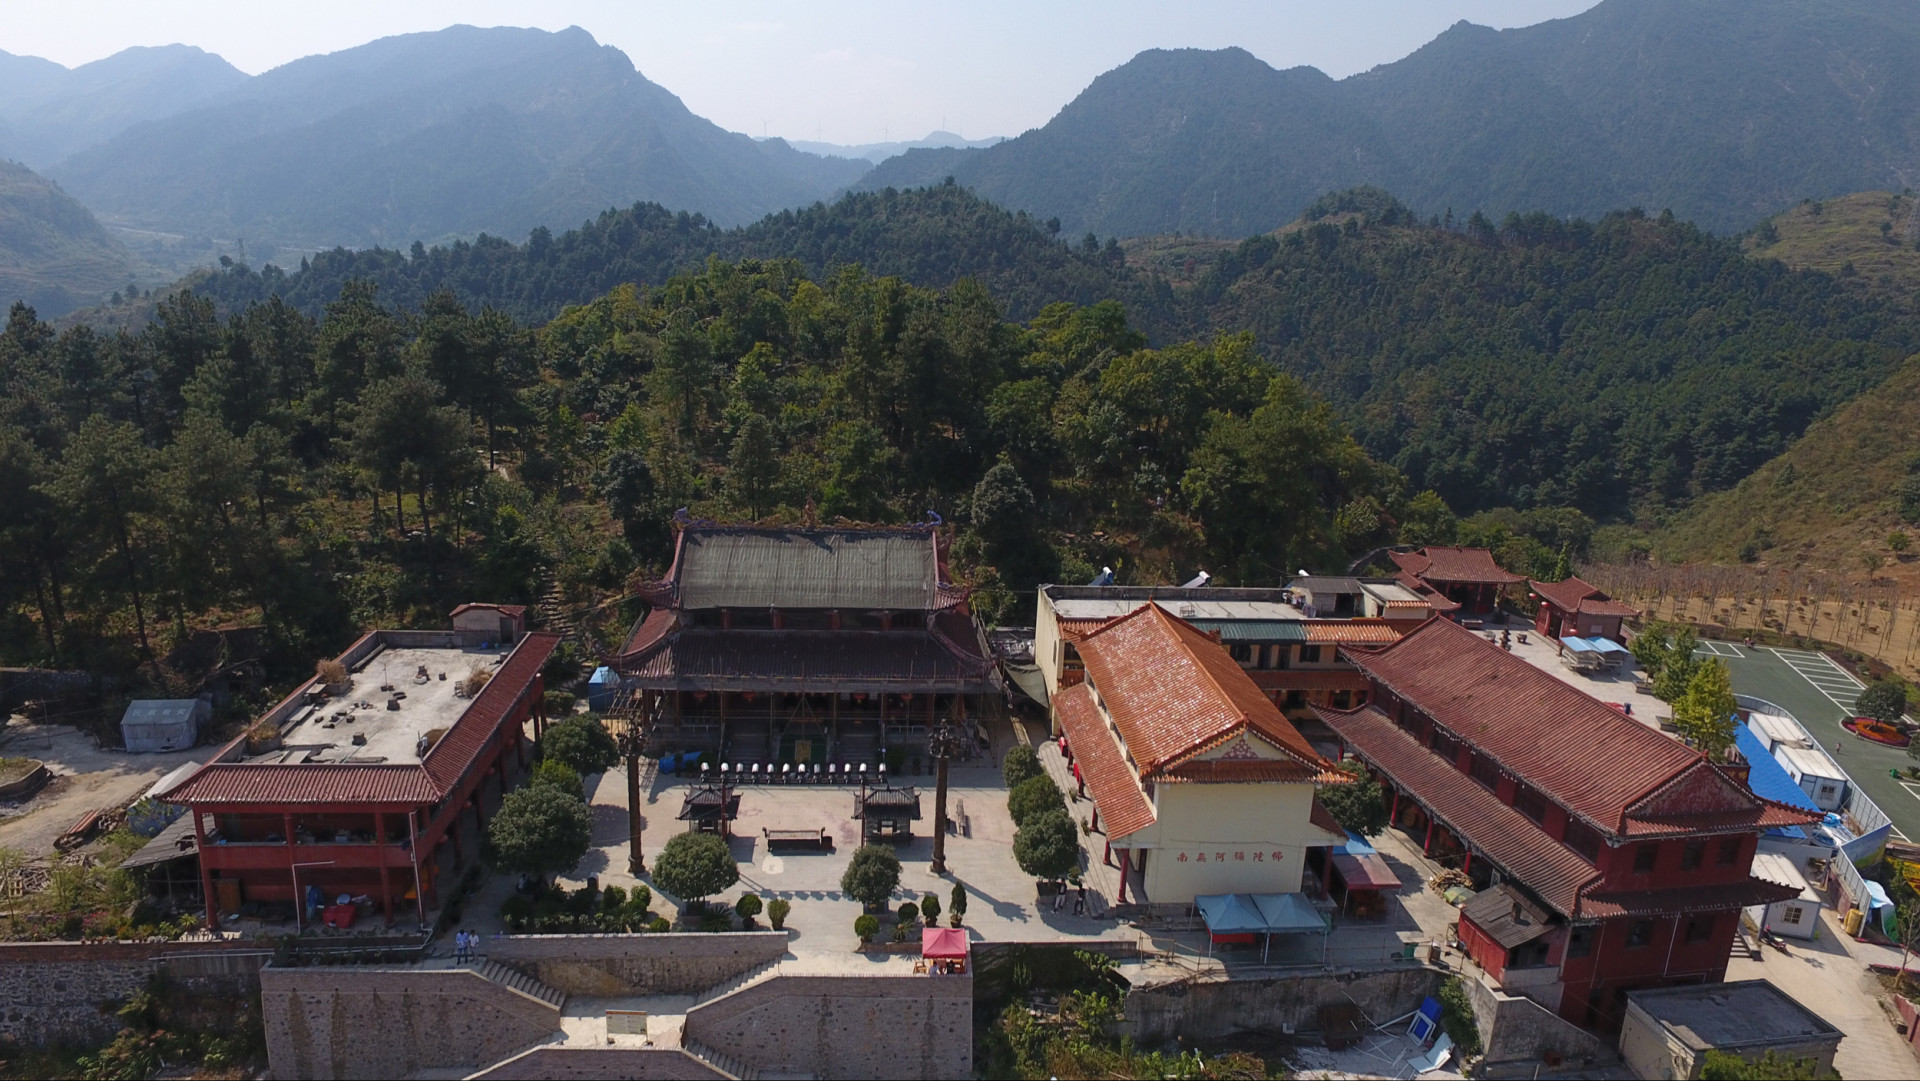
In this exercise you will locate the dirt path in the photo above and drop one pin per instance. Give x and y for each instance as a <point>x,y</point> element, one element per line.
<point>86,778</point>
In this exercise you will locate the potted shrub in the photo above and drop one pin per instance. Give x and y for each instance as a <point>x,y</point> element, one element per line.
<point>866,927</point>
<point>957,905</point>
<point>747,907</point>
<point>909,913</point>
<point>777,910</point>
<point>333,677</point>
<point>930,909</point>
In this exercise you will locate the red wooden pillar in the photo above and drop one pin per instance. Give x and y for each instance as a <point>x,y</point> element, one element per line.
<point>1427,846</point>
<point>206,872</point>
<point>1106,855</point>
<point>1467,863</point>
<point>1393,812</point>
<point>1095,823</point>
<point>1125,864</point>
<point>386,875</point>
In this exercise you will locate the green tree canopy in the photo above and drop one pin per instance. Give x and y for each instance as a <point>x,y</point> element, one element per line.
<point>1047,846</point>
<point>540,830</point>
<point>582,744</point>
<point>1704,713</point>
<point>1772,1066</point>
<point>872,874</point>
<point>1884,700</point>
<point>1020,764</point>
<point>695,866</point>
<point>1360,805</point>
<point>1034,796</point>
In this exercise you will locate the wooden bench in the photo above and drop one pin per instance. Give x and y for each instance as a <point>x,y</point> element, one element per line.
<point>814,838</point>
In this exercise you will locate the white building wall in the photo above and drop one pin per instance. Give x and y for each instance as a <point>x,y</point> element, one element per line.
<point>1227,838</point>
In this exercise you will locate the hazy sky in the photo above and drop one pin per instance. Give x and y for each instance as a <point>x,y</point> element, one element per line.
<point>846,71</point>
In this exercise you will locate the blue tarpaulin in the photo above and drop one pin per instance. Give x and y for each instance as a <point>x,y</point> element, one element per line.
<point>1765,775</point>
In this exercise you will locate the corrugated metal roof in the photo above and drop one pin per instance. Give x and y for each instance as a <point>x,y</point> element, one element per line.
<point>1124,809</point>
<point>801,568</point>
<point>1255,630</point>
<point>1767,777</point>
<point>1580,752</point>
<point>1172,691</point>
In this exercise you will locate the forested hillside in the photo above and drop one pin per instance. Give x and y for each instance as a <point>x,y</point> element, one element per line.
<point>1623,365</point>
<point>1725,111</point>
<point>1870,240</point>
<point>372,466</point>
<point>53,254</point>
<point>1832,500</point>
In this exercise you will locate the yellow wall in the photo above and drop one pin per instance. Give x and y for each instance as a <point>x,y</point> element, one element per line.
<point>1246,822</point>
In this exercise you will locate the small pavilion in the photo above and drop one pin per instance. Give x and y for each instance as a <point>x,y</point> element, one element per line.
<point>1457,582</point>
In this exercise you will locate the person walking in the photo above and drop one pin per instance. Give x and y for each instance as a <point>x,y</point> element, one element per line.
<point>1080,900</point>
<point>460,947</point>
<point>1060,899</point>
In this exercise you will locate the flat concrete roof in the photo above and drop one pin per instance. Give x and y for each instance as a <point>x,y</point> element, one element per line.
<point>1183,607</point>
<point>1722,1016</point>
<point>328,732</point>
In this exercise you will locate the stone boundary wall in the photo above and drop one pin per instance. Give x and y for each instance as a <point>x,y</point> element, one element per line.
<point>601,1064</point>
<point>844,1026</point>
<point>351,1022</point>
<point>1518,1029</point>
<point>68,992</point>
<point>1213,1009</point>
<point>602,966</point>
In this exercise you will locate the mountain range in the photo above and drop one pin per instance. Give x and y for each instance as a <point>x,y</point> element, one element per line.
<point>1724,111</point>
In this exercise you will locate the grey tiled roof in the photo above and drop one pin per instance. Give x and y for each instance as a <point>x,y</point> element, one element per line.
<point>771,568</point>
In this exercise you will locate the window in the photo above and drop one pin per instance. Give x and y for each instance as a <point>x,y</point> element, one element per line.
<point>1639,933</point>
<point>1484,771</point>
<point>1693,855</point>
<point>1699,929</point>
<point>1793,914</point>
<point>1296,700</point>
<point>1530,803</point>
<point>1241,652</point>
<point>1644,858</point>
<point>1343,700</point>
<point>1309,654</point>
<point>1443,745</point>
<point>1580,941</point>
<point>1729,852</point>
<point>1583,839</point>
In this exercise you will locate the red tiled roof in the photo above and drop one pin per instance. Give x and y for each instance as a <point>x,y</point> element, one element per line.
<point>311,782</point>
<point>1353,631</point>
<point>341,782</point>
<point>1437,563</point>
<point>454,754</point>
<point>1578,751</point>
<point>1323,818</point>
<point>1173,691</point>
<point>1436,600</point>
<point>649,630</point>
<point>1493,829</point>
<point>1124,809</point>
<point>509,609</point>
<point>1574,595</point>
<point>1245,770</point>
<point>1308,679</point>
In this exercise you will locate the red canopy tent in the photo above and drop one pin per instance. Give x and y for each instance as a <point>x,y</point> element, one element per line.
<point>944,943</point>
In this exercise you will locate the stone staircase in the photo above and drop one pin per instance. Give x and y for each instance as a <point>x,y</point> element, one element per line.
<point>519,983</point>
<point>739,983</point>
<point>725,1064</point>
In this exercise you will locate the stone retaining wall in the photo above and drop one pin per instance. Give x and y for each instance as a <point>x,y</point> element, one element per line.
<point>21,787</point>
<point>1517,1029</point>
<point>69,992</point>
<point>1212,1009</point>
<point>380,1023</point>
<point>844,1026</point>
<point>601,966</point>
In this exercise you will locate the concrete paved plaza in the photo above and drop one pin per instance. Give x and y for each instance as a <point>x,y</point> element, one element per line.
<point>1002,902</point>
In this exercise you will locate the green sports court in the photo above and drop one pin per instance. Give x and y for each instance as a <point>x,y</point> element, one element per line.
<point>1820,694</point>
